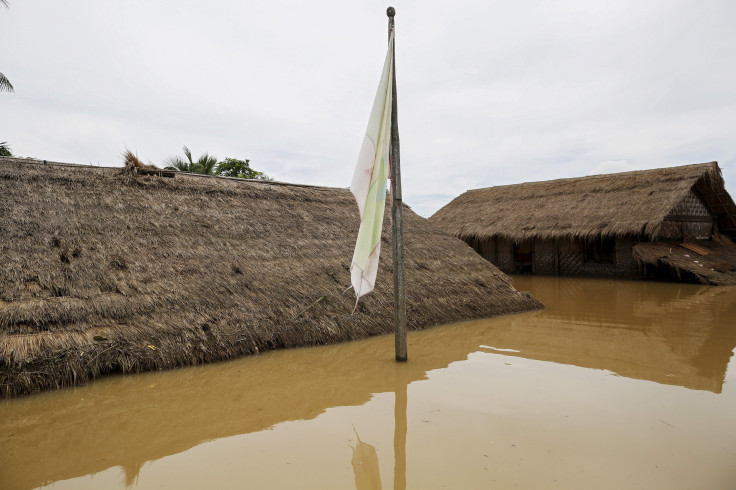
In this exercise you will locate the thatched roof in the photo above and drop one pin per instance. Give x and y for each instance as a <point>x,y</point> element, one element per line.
<point>103,272</point>
<point>705,262</point>
<point>628,203</point>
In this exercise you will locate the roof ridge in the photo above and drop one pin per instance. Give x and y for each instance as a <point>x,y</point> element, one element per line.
<point>36,161</point>
<point>598,176</point>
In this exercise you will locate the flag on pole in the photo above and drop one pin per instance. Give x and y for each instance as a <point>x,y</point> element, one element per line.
<point>369,183</point>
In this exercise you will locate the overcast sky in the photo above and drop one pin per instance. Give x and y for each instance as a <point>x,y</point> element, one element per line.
<point>489,92</point>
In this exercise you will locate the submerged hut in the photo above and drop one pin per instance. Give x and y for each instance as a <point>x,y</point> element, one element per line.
<point>111,270</point>
<point>669,223</point>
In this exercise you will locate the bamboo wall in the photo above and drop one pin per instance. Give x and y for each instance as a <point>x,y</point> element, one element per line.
<point>689,219</point>
<point>544,258</point>
<point>572,260</point>
<point>565,258</point>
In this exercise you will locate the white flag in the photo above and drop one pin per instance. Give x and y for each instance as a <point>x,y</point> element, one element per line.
<point>369,183</point>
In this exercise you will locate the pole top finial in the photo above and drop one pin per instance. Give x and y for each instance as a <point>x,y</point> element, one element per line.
<point>390,12</point>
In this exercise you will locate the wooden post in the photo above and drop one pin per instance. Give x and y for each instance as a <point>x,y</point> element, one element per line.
<point>397,239</point>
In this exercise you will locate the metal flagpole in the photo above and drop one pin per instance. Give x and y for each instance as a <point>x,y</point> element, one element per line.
<point>396,216</point>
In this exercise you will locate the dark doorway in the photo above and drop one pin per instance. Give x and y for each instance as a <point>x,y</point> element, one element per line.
<point>524,257</point>
<point>600,251</point>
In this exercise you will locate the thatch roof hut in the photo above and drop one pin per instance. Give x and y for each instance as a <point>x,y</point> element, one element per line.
<point>105,270</point>
<point>596,219</point>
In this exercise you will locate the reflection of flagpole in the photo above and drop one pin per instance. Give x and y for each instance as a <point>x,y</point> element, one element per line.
<point>397,240</point>
<point>400,402</point>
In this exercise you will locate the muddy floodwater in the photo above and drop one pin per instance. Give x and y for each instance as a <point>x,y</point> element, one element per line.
<point>616,385</point>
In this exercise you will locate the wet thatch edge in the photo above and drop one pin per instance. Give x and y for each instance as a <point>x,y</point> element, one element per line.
<point>717,268</point>
<point>612,205</point>
<point>107,272</point>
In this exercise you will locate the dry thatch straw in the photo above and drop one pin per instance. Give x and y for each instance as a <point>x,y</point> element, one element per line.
<point>104,271</point>
<point>628,203</point>
<point>130,160</point>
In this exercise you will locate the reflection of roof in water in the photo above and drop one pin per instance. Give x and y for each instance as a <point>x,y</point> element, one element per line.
<point>667,333</point>
<point>670,334</point>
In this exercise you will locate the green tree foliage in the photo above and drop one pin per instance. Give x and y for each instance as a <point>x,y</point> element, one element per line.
<point>206,164</point>
<point>5,149</point>
<point>232,167</point>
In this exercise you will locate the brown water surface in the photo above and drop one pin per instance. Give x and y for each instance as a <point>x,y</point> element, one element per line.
<point>614,385</point>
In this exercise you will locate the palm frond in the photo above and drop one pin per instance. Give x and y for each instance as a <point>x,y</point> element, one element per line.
<point>5,149</point>
<point>5,83</point>
<point>206,164</point>
<point>189,155</point>
<point>177,163</point>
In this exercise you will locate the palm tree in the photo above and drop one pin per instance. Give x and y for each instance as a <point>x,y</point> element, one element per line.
<point>5,148</point>
<point>178,163</point>
<point>4,82</point>
<point>205,164</point>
